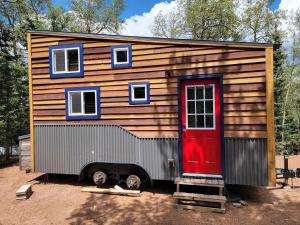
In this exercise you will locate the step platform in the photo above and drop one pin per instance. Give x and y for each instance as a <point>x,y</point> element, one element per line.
<point>200,182</point>
<point>200,201</point>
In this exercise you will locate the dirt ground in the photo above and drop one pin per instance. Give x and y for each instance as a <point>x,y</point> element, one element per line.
<point>62,202</point>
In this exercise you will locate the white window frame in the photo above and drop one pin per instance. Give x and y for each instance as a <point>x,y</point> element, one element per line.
<point>82,103</point>
<point>115,50</point>
<point>201,114</point>
<point>66,60</point>
<point>132,92</point>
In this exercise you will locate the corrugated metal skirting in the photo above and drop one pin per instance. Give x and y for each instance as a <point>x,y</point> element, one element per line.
<point>246,161</point>
<point>67,148</point>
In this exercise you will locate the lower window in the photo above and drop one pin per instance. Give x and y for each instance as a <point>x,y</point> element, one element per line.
<point>139,93</point>
<point>82,103</point>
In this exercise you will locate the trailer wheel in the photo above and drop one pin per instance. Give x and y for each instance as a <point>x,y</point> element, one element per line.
<point>99,178</point>
<point>133,182</point>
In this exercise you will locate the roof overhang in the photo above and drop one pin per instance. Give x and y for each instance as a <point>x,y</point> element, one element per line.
<point>153,39</point>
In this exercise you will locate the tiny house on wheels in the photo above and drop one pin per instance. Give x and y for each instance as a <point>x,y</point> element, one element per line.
<point>136,108</point>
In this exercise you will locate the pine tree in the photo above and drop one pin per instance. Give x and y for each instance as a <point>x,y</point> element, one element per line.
<point>279,58</point>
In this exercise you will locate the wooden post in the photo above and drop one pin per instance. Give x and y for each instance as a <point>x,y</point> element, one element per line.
<point>270,116</point>
<point>30,103</point>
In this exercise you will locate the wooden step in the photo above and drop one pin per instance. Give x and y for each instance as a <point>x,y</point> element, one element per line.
<point>201,202</point>
<point>199,197</point>
<point>24,192</point>
<point>200,182</point>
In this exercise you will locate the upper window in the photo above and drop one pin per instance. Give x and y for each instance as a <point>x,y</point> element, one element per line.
<point>66,61</point>
<point>139,93</point>
<point>121,56</point>
<point>82,103</point>
<point>200,109</point>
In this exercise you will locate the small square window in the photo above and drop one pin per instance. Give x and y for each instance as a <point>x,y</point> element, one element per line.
<point>139,93</point>
<point>66,61</point>
<point>121,56</point>
<point>82,103</point>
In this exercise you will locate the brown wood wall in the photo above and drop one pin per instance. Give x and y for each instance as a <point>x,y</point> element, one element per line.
<point>244,84</point>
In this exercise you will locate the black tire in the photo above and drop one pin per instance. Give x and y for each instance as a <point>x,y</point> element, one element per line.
<point>99,178</point>
<point>133,182</point>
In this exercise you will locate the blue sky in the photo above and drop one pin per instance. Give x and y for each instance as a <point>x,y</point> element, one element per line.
<point>133,7</point>
<point>139,14</point>
<point>138,7</point>
<point>275,5</point>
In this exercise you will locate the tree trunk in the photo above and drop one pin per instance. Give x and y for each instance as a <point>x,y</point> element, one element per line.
<point>254,36</point>
<point>15,50</point>
<point>7,152</point>
<point>290,80</point>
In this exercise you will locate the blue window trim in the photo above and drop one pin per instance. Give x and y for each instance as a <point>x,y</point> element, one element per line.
<point>136,102</point>
<point>83,117</point>
<point>127,65</point>
<point>64,75</point>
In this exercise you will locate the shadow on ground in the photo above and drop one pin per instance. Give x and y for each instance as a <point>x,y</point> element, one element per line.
<point>156,206</point>
<point>151,208</point>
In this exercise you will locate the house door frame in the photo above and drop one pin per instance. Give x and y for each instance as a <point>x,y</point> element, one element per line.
<point>180,129</point>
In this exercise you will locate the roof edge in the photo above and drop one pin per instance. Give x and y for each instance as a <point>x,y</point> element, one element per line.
<point>154,39</point>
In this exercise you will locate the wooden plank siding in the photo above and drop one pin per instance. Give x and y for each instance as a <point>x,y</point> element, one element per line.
<point>244,71</point>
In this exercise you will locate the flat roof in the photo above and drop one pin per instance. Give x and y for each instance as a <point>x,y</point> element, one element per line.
<point>152,39</point>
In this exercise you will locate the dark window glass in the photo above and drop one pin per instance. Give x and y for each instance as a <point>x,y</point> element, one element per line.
<point>190,93</point>
<point>121,56</point>
<point>209,121</point>
<point>139,92</point>
<point>76,102</point>
<point>191,107</point>
<point>209,106</point>
<point>200,106</point>
<point>208,92</point>
<point>191,121</point>
<point>199,92</point>
<point>89,102</point>
<point>59,56</point>
<point>73,60</point>
<point>200,121</point>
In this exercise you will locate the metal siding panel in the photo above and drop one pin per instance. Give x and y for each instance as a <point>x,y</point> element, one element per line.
<point>246,161</point>
<point>155,154</point>
<point>66,149</point>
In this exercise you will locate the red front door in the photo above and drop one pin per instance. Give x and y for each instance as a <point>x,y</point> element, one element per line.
<point>201,131</point>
